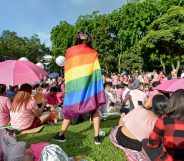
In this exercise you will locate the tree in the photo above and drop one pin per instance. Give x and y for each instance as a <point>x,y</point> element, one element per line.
<point>165,38</point>
<point>62,37</point>
<point>13,47</point>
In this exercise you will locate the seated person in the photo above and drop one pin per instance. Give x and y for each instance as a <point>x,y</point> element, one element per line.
<point>110,98</point>
<point>5,106</point>
<point>138,123</point>
<point>24,112</point>
<point>166,141</point>
<point>12,91</point>
<point>51,97</point>
<point>135,96</point>
<point>53,104</point>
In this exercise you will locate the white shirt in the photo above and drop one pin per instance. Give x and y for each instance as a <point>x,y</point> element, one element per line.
<point>124,95</point>
<point>109,99</point>
<point>137,96</point>
<point>182,75</point>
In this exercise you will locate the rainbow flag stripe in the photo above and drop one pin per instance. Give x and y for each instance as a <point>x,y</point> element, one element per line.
<point>84,89</point>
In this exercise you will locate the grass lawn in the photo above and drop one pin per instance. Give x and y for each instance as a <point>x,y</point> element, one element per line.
<point>80,140</point>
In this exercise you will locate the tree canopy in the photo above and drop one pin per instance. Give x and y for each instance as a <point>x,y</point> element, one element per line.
<point>13,46</point>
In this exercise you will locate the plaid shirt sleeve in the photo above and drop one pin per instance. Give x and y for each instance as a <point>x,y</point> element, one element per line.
<point>157,134</point>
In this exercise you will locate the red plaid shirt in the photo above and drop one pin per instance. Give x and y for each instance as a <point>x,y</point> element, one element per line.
<point>170,132</point>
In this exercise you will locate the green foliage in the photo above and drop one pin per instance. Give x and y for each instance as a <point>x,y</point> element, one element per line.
<point>61,37</point>
<point>166,37</point>
<point>141,23</point>
<point>13,47</point>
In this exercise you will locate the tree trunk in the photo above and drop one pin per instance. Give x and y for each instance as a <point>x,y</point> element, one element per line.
<point>163,65</point>
<point>177,66</point>
<point>119,63</point>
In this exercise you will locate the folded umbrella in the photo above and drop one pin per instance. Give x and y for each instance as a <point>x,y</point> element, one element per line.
<point>171,85</point>
<point>14,72</point>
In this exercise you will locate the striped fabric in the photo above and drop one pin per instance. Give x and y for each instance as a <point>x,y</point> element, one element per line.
<point>84,90</point>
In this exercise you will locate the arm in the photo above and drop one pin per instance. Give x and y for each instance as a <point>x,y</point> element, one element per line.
<point>38,111</point>
<point>156,135</point>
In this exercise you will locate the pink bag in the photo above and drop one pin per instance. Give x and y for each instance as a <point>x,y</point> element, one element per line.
<point>36,149</point>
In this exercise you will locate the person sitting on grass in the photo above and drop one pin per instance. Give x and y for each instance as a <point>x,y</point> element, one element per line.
<point>5,106</point>
<point>24,113</point>
<point>110,98</point>
<point>53,104</point>
<point>138,123</point>
<point>166,141</point>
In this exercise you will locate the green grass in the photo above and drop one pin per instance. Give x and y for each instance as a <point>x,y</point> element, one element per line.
<point>80,140</point>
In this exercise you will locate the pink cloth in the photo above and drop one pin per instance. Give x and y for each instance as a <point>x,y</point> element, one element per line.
<point>36,150</point>
<point>119,93</point>
<point>114,80</point>
<point>52,100</point>
<point>136,96</point>
<point>23,118</point>
<point>60,96</point>
<point>151,94</point>
<point>5,106</point>
<point>140,122</point>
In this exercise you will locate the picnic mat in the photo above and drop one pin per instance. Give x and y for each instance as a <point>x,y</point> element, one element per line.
<point>35,130</point>
<point>132,155</point>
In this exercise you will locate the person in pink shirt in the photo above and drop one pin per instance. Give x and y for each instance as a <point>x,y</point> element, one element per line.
<point>161,76</point>
<point>51,97</point>
<point>138,124</point>
<point>24,112</point>
<point>5,106</point>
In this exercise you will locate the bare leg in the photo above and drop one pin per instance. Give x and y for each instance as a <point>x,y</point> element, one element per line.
<point>44,117</point>
<point>96,122</point>
<point>64,127</point>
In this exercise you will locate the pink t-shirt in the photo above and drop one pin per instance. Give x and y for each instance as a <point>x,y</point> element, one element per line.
<point>23,118</point>
<point>52,100</point>
<point>140,122</point>
<point>153,93</point>
<point>5,106</point>
<point>119,93</point>
<point>137,96</point>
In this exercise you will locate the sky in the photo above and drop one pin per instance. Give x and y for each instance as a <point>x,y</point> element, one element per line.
<point>28,17</point>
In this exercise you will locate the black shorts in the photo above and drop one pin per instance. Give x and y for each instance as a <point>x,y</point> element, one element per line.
<point>127,142</point>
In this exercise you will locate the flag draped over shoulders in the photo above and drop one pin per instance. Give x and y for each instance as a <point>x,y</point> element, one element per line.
<point>84,89</point>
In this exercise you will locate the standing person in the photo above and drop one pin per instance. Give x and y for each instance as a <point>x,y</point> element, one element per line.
<point>84,91</point>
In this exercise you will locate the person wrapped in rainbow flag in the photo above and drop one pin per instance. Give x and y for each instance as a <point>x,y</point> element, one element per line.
<point>84,91</point>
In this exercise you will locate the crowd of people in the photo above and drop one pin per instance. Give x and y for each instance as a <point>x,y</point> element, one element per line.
<point>152,122</point>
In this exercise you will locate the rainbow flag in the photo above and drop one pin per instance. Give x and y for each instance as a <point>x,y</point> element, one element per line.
<point>84,89</point>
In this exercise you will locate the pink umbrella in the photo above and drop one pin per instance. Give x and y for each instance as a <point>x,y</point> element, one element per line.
<point>14,72</point>
<point>171,85</point>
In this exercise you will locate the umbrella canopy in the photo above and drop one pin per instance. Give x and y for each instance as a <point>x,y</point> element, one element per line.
<point>171,85</point>
<point>53,75</point>
<point>14,72</point>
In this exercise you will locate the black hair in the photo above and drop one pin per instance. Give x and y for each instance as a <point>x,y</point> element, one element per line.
<point>2,88</point>
<point>155,84</point>
<point>108,84</point>
<point>87,41</point>
<point>53,89</point>
<point>175,108</point>
<point>159,104</point>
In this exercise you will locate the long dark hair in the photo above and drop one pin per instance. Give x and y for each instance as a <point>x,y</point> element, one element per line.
<point>175,108</point>
<point>2,89</point>
<point>159,104</point>
<point>83,37</point>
